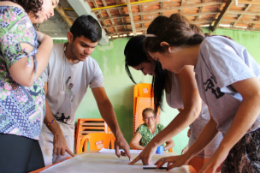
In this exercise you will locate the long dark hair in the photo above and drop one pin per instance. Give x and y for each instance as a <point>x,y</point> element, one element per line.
<point>135,55</point>
<point>30,6</point>
<point>175,30</point>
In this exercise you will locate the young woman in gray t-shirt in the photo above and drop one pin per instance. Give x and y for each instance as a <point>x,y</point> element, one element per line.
<point>181,93</point>
<point>228,82</point>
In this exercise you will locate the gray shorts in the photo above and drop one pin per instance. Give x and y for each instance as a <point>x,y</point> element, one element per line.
<point>210,149</point>
<point>46,144</point>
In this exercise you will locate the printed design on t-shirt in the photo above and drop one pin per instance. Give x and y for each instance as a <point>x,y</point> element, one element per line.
<point>210,86</point>
<point>62,118</point>
<point>63,114</point>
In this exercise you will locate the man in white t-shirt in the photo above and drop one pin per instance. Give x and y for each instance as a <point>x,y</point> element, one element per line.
<point>69,73</point>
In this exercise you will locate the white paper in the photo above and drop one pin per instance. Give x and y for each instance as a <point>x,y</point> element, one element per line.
<point>103,150</point>
<point>106,163</point>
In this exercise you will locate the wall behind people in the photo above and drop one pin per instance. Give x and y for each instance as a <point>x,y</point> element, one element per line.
<point>120,88</point>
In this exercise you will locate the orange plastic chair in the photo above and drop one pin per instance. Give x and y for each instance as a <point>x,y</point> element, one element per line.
<point>97,141</point>
<point>143,98</point>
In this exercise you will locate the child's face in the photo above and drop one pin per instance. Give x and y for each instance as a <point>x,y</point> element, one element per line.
<point>149,118</point>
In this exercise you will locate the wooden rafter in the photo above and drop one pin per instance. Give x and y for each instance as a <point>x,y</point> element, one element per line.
<point>121,13</point>
<point>141,10</point>
<point>248,21</point>
<point>131,16</point>
<point>145,28</point>
<point>240,15</point>
<point>100,14</point>
<point>255,13</point>
<point>200,10</point>
<point>63,14</point>
<point>161,7</point>
<point>108,13</point>
<point>182,3</point>
<point>222,14</point>
<point>250,26</point>
<point>167,8</point>
<point>186,15</point>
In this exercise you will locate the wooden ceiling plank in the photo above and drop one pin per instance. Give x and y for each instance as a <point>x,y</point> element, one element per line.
<point>131,16</point>
<point>222,14</point>
<point>63,14</point>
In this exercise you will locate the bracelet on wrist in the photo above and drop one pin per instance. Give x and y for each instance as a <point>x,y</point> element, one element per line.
<point>52,121</point>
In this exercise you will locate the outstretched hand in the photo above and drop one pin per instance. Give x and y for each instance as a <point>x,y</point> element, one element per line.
<point>121,143</point>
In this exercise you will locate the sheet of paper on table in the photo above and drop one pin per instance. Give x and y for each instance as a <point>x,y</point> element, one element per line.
<point>106,163</point>
<point>103,150</point>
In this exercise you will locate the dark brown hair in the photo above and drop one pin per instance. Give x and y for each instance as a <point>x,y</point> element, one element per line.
<point>175,30</point>
<point>159,80</point>
<point>148,110</point>
<point>30,6</point>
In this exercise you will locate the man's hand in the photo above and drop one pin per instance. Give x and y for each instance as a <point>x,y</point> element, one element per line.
<point>121,143</point>
<point>60,146</point>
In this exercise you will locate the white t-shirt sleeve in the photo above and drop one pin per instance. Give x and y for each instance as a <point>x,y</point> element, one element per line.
<point>226,60</point>
<point>97,79</point>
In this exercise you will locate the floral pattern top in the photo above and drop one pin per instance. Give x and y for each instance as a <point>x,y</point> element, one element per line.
<point>146,134</point>
<point>22,109</point>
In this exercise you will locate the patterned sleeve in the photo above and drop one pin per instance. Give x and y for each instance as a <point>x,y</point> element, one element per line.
<point>22,31</point>
<point>160,127</point>
<point>140,129</point>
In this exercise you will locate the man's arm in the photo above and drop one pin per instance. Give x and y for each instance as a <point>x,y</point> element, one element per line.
<point>108,114</point>
<point>59,142</point>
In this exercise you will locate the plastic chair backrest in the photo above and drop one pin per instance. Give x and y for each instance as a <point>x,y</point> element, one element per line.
<point>142,100</point>
<point>97,141</point>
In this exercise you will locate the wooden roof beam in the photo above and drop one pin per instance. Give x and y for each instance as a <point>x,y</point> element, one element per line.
<point>108,13</point>
<point>120,12</point>
<point>240,15</point>
<point>200,10</point>
<point>131,16</point>
<point>63,14</point>
<point>222,14</point>
<point>255,13</point>
<point>186,15</point>
<point>168,8</point>
<point>182,3</point>
<point>161,7</point>
<point>145,28</point>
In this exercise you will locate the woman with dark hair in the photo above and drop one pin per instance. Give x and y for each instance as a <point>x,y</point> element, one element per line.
<point>181,93</point>
<point>228,82</point>
<point>22,101</point>
<point>146,131</point>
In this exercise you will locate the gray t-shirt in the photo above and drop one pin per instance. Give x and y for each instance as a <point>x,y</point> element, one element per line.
<point>67,85</point>
<point>221,63</point>
<point>174,100</point>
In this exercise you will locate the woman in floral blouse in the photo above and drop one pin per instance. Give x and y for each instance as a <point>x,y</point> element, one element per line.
<point>145,132</point>
<point>22,100</point>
